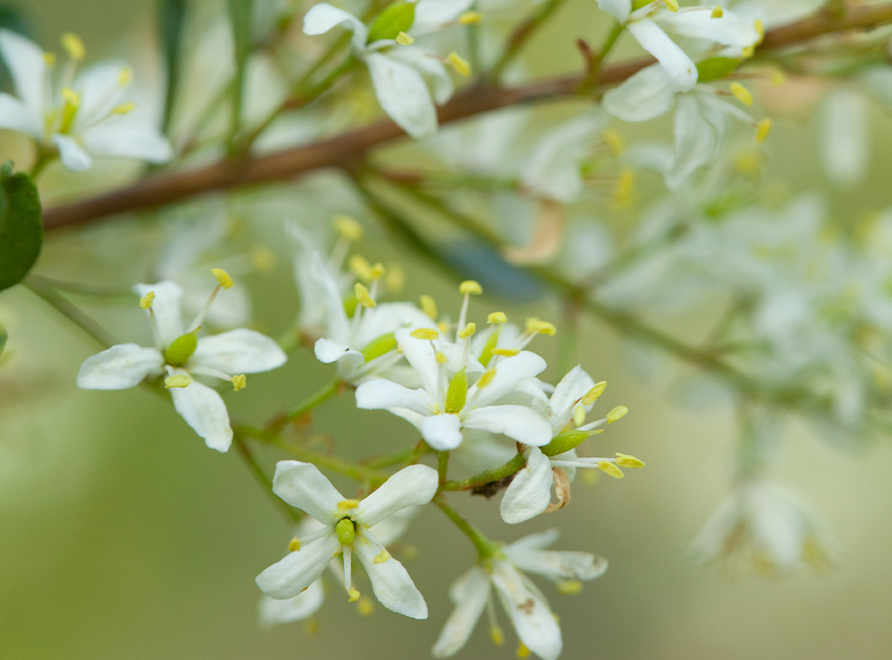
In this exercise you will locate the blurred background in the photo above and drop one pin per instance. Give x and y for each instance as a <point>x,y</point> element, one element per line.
<point>122,536</point>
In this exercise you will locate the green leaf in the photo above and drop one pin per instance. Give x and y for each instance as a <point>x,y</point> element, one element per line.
<point>171,20</point>
<point>21,226</point>
<point>241,14</point>
<point>715,68</point>
<point>397,17</point>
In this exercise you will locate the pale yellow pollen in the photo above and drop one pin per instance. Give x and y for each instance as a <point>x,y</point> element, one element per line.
<point>486,378</point>
<point>50,59</point>
<point>441,357</point>
<point>365,606</point>
<point>177,380</point>
<point>628,461</point>
<point>522,650</point>
<point>73,46</point>
<point>749,163</point>
<point>540,327</point>
<point>262,258</point>
<point>377,271</point>
<point>741,93</point>
<point>763,130</point>
<point>717,12</point>
<point>617,413</point>
<point>404,39</point>
<point>347,227</point>
<point>424,333</point>
<point>353,595</point>
<point>497,317</point>
<point>470,17</point>
<point>396,278</point>
<point>496,635</point>
<point>312,627</point>
<point>460,64</point>
<point>614,141</point>
<point>239,382</point>
<point>294,545</point>
<point>443,327</point>
<point>124,108</point>
<point>223,278</point>
<point>125,76</point>
<point>671,5</point>
<point>360,267</point>
<point>363,296</point>
<point>470,287</point>
<point>71,97</point>
<point>429,306</point>
<point>467,331</point>
<point>346,505</point>
<point>569,587</point>
<point>147,300</point>
<point>578,415</point>
<point>381,557</point>
<point>592,395</point>
<point>505,352</point>
<point>609,468</point>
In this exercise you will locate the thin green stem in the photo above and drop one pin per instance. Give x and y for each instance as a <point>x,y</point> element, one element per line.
<point>80,289</point>
<point>245,452</point>
<point>591,79</point>
<point>442,466</point>
<point>488,476</point>
<point>72,313</point>
<point>43,159</point>
<point>308,405</point>
<point>521,35</point>
<point>408,456</point>
<point>568,339</point>
<point>485,547</point>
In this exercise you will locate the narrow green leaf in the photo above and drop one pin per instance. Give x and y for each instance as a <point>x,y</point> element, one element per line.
<point>21,226</point>
<point>241,13</point>
<point>171,21</point>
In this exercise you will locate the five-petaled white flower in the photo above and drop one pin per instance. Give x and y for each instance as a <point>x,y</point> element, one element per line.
<point>346,530</point>
<point>522,601</point>
<point>182,355</point>
<point>84,116</point>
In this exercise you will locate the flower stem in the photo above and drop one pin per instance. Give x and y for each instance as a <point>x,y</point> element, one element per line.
<point>72,313</point>
<point>442,466</point>
<point>591,79</point>
<point>244,451</point>
<point>488,476</point>
<point>307,405</point>
<point>521,35</point>
<point>485,547</point>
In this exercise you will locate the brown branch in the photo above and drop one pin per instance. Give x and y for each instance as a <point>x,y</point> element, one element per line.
<point>347,148</point>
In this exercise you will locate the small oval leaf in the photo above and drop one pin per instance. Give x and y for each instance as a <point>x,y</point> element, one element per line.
<point>21,227</point>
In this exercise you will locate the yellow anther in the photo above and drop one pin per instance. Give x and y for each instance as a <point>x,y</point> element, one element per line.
<point>671,5</point>
<point>396,278</point>
<point>497,317</point>
<point>578,415</point>
<point>347,227</point>
<point>443,327</point>
<point>50,59</point>
<point>614,141</point>
<point>592,395</point>
<point>496,635</point>
<point>410,552</point>
<point>312,627</point>
<point>486,378</point>
<point>73,46</point>
<point>429,306</point>
<point>147,300</point>
<point>540,327</point>
<point>522,650</point>
<point>749,163</point>
<point>71,97</point>
<point>377,271</point>
<point>404,39</point>
<point>470,17</point>
<point>760,29</point>
<point>470,287</point>
<point>609,468</point>
<point>717,12</point>
<point>346,505</point>
<point>360,267</point>
<point>239,382</point>
<point>741,93</point>
<point>262,259</point>
<point>628,461</point>
<point>778,78</point>
<point>353,595</point>
<point>177,380</point>
<point>441,357</point>
<point>569,587</point>
<point>124,108</point>
<point>365,606</point>
<point>624,189</point>
<point>460,64</point>
<point>125,76</point>
<point>749,51</point>
<point>617,413</point>
<point>223,278</point>
<point>467,331</point>
<point>294,545</point>
<point>505,352</point>
<point>381,557</point>
<point>363,296</point>
<point>763,130</point>
<point>424,333</point>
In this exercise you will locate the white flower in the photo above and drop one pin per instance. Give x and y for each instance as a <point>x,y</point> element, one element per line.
<point>84,116</point>
<point>182,355</point>
<point>397,72</point>
<point>522,601</point>
<point>346,530</point>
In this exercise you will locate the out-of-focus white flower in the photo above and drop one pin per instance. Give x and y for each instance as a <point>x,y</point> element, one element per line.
<point>83,116</point>
<point>843,141</point>
<point>346,530</point>
<point>521,600</point>
<point>183,355</point>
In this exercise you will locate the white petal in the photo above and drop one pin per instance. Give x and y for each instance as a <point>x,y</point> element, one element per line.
<point>530,614</point>
<point>100,90</point>
<point>298,570</point>
<point>557,565</point>
<point>302,485</point>
<point>72,155</point>
<point>619,9</point>
<point>403,95</point>
<point>16,115</point>
<point>422,358</point>
<point>645,95</point>
<point>474,587</point>
<point>415,484</point>
<point>165,309</point>
<point>204,410</point>
<point>678,65</point>
<point>509,372</point>
<point>238,351</point>
<point>323,17</point>
<point>517,422</point>
<point>27,66</point>
<point>844,144</point>
<point>129,139</point>
<point>537,541</point>
<point>433,14</point>
<point>391,582</point>
<point>442,432</point>
<point>273,612</point>
<point>393,526</point>
<point>728,30</point>
<point>378,394</point>
<point>428,64</point>
<point>119,367</point>
<point>572,387</point>
<point>694,142</point>
<point>328,351</point>
<point>529,493</point>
